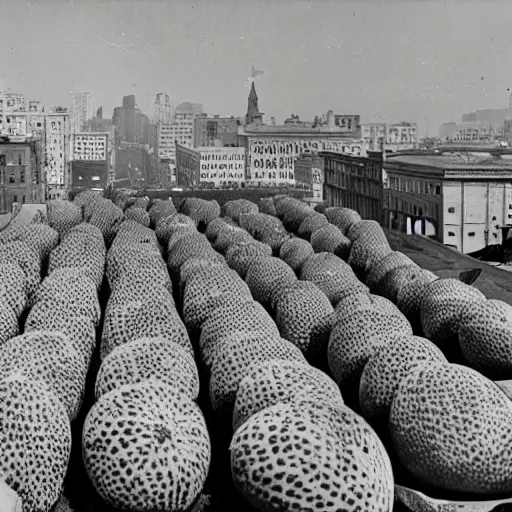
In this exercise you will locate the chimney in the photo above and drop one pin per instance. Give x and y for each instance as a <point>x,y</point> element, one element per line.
<point>330,119</point>
<point>273,121</point>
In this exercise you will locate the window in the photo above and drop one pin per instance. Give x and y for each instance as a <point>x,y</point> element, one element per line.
<point>19,158</point>
<point>14,198</point>
<point>23,198</point>
<point>22,176</point>
<point>451,209</point>
<point>471,233</point>
<point>451,233</point>
<point>12,178</point>
<point>438,189</point>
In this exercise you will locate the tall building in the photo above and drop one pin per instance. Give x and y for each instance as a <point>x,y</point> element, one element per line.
<point>165,144</point>
<point>80,110</point>
<point>162,111</point>
<point>131,124</point>
<point>216,131</point>
<point>90,160</point>
<point>184,116</point>
<point>56,169</point>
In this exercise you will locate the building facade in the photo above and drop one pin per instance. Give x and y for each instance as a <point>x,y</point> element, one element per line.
<point>271,151</point>
<point>132,126</point>
<point>210,167</point>
<point>395,136</point>
<point>20,173</point>
<point>165,146</point>
<point>309,176</point>
<point>215,131</point>
<point>354,182</point>
<point>184,117</point>
<point>188,167</point>
<point>459,203</point>
<point>162,110</point>
<point>56,168</point>
<point>80,110</point>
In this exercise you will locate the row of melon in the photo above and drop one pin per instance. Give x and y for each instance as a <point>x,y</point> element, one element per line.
<point>145,442</point>
<point>292,434</point>
<point>43,370</point>
<point>433,407</point>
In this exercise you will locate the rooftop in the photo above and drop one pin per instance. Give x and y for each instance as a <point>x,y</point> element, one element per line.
<point>295,130</point>
<point>452,162</point>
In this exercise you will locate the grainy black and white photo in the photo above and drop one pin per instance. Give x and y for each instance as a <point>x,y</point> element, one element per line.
<point>255,255</point>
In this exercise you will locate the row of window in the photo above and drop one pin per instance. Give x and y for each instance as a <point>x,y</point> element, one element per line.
<point>416,186</point>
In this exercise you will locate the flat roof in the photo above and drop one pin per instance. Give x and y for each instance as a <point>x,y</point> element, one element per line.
<point>450,162</point>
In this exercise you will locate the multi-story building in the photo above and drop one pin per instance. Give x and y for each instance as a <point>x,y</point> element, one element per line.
<point>210,167</point>
<point>309,175</point>
<point>20,172</point>
<point>13,101</point>
<point>80,110</point>
<point>216,131</point>
<point>271,150</point>
<point>56,170</point>
<point>184,116</point>
<point>131,124</point>
<point>90,160</point>
<point>100,125</point>
<point>162,110</point>
<point>354,182</point>
<point>165,136</point>
<point>395,136</point>
<point>461,201</point>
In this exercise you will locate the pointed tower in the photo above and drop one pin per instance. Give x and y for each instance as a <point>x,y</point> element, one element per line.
<point>253,116</point>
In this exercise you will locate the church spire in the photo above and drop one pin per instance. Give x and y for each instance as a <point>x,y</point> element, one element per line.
<point>253,116</point>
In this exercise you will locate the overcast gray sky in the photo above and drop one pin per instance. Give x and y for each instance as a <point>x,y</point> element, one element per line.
<point>386,60</point>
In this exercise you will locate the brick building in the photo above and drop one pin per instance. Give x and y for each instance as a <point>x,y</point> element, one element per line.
<point>20,172</point>
<point>354,182</point>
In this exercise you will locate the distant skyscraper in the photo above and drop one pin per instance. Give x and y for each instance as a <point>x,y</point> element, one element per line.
<point>132,125</point>
<point>162,111</point>
<point>80,110</point>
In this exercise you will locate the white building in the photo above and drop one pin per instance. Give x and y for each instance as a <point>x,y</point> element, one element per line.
<point>184,116</point>
<point>89,146</point>
<point>80,110</point>
<point>222,166</point>
<point>396,136</point>
<point>166,146</point>
<point>57,150</point>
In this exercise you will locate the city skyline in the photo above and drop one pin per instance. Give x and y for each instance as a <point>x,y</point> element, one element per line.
<point>434,61</point>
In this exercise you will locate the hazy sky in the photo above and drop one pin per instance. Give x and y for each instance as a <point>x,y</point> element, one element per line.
<point>386,60</point>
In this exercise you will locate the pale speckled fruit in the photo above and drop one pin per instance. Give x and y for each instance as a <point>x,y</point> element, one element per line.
<point>308,456</point>
<point>452,428</point>
<point>354,338</point>
<point>386,368</point>
<point>273,382</point>
<point>485,337</point>
<point>441,306</point>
